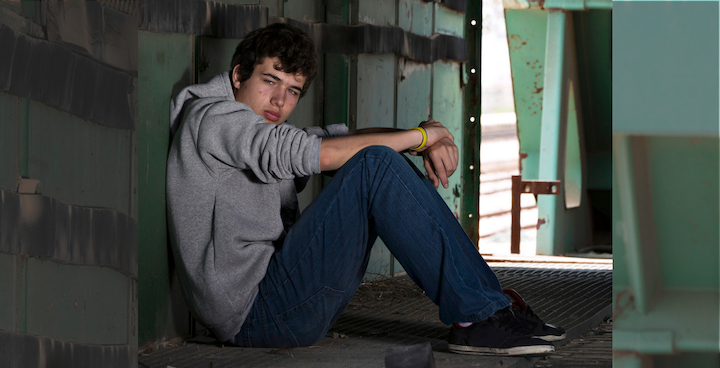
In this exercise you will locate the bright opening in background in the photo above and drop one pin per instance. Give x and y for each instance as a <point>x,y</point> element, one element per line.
<point>499,149</point>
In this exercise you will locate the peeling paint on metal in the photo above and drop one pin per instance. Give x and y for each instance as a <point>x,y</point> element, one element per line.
<point>515,42</point>
<point>537,89</point>
<point>524,4</point>
<point>624,300</point>
<point>456,190</point>
<point>540,222</point>
<point>408,67</point>
<point>516,4</point>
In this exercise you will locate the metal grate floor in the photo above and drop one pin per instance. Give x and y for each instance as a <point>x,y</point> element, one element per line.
<point>394,312</point>
<point>591,350</point>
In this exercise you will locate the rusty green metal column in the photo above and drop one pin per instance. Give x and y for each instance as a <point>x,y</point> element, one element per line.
<point>562,220</point>
<point>470,169</point>
<point>553,132</point>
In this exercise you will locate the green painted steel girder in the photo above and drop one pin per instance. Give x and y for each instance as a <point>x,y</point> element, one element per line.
<point>560,228</point>
<point>578,4</point>
<point>629,227</point>
<point>470,215</point>
<point>558,4</point>
<point>561,87</point>
<point>166,60</point>
<point>553,131</point>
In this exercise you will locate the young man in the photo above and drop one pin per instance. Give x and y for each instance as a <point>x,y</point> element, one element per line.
<point>258,274</point>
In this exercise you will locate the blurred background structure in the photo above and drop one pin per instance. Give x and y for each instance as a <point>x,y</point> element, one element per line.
<point>499,148</point>
<point>68,185</point>
<point>546,117</point>
<point>666,289</point>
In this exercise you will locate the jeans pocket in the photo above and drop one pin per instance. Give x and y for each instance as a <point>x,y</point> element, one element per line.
<point>308,322</point>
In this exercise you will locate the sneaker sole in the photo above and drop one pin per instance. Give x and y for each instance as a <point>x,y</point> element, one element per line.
<point>551,337</point>
<point>518,350</point>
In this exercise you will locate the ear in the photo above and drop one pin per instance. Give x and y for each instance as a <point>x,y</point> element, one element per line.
<point>235,78</point>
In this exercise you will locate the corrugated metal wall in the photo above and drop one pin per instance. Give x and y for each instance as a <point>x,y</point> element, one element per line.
<point>384,63</point>
<point>68,193</point>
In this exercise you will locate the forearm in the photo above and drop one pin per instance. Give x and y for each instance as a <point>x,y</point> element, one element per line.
<point>336,151</point>
<point>374,130</point>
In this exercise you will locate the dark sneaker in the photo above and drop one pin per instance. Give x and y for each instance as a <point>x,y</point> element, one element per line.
<point>536,326</point>
<point>498,335</point>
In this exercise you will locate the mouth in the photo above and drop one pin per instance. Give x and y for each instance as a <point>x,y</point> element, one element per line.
<point>271,115</point>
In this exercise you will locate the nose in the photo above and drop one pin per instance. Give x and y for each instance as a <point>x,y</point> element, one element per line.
<point>278,97</point>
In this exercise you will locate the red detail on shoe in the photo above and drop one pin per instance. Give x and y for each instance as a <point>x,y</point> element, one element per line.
<point>519,301</point>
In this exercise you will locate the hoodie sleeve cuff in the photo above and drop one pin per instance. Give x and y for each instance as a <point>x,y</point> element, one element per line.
<point>315,156</point>
<point>334,130</point>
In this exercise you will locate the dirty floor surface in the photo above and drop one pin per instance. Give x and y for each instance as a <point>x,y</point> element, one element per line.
<point>394,312</point>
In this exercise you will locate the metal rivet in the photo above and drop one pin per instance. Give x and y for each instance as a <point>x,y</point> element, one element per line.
<point>470,215</point>
<point>472,70</point>
<point>472,119</point>
<point>473,22</point>
<point>472,167</point>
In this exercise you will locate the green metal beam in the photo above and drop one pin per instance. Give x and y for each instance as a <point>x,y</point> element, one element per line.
<point>631,360</point>
<point>629,225</point>
<point>558,4</point>
<point>553,132</point>
<point>470,170</point>
<point>578,4</point>
<point>563,221</point>
<point>165,63</point>
<point>666,329</point>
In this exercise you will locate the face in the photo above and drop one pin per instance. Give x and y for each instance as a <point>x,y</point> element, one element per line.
<point>270,93</point>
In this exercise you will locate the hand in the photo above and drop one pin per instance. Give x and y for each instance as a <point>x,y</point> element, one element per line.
<point>441,160</point>
<point>435,132</point>
<point>440,154</point>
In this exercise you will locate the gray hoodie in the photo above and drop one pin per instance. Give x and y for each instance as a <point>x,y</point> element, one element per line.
<point>231,197</point>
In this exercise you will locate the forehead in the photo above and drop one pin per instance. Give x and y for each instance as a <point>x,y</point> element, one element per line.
<point>268,66</point>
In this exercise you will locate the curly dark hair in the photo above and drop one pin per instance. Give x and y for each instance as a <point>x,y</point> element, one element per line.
<point>294,49</point>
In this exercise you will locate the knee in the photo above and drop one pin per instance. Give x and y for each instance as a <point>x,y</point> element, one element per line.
<point>380,151</point>
<point>383,155</point>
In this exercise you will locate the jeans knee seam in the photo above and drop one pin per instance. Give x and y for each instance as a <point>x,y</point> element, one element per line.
<point>397,177</point>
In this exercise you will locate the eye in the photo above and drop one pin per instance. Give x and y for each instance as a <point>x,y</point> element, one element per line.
<point>269,81</point>
<point>293,92</point>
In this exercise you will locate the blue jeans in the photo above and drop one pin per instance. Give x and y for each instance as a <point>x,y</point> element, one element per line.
<point>378,192</point>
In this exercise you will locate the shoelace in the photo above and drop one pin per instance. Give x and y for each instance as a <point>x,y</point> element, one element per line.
<point>528,314</point>
<point>508,321</point>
